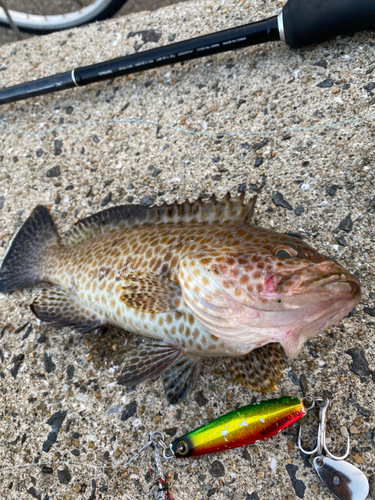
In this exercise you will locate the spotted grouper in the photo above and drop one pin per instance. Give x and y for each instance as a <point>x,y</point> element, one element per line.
<point>195,278</point>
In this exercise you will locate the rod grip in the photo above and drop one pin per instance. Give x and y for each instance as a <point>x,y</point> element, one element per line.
<point>312,21</point>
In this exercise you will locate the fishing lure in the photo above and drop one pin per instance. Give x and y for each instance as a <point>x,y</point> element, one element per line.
<point>246,425</point>
<point>260,421</point>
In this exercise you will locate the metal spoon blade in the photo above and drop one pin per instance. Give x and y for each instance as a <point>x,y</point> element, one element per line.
<point>344,480</point>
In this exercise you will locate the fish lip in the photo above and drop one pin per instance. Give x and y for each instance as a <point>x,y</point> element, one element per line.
<point>332,282</point>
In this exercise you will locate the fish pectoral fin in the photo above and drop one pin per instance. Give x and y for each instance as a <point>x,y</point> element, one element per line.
<point>258,370</point>
<point>181,378</point>
<point>151,360</point>
<point>150,292</point>
<point>61,308</point>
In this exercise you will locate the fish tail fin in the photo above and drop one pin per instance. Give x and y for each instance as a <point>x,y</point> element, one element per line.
<point>22,263</point>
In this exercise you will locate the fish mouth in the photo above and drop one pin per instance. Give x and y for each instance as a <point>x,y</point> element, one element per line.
<point>341,284</point>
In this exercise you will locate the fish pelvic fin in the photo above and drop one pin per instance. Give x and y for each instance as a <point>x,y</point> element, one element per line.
<point>260,369</point>
<point>22,263</point>
<point>61,308</point>
<point>181,378</point>
<point>125,216</point>
<point>151,293</point>
<point>151,359</point>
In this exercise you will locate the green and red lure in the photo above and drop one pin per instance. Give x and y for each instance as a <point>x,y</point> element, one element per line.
<point>246,425</point>
<point>259,421</point>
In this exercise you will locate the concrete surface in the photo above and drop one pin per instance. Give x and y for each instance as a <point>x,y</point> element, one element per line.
<point>60,6</point>
<point>71,378</point>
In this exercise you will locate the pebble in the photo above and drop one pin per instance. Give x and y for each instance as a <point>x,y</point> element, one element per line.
<point>279,201</point>
<point>19,329</point>
<point>369,87</point>
<point>114,409</point>
<point>58,147</point>
<point>200,399</point>
<point>171,37</point>
<point>17,360</point>
<point>321,63</point>
<point>298,211</point>
<point>370,311</point>
<point>241,188</point>
<point>156,172</point>
<point>39,153</point>
<point>258,161</point>
<point>371,481</point>
<point>130,411</point>
<point>171,431</point>
<point>217,469</point>
<point>346,224</point>
<point>106,199</point>
<point>147,201</point>
<point>49,365</point>
<point>360,364</point>
<point>358,459</point>
<point>2,201</point>
<point>298,485</point>
<point>27,333</point>
<point>64,476</point>
<point>304,384</point>
<point>331,190</point>
<point>252,496</point>
<point>325,83</point>
<point>293,378</point>
<point>54,172</point>
<point>341,241</point>
<point>69,110</point>
<point>260,145</point>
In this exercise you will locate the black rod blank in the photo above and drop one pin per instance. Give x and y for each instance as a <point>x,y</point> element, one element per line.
<point>300,23</point>
<point>222,41</point>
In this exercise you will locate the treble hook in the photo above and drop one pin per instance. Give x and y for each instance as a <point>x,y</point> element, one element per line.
<point>321,445</point>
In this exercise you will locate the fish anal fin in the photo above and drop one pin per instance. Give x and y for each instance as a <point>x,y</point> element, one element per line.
<point>151,359</point>
<point>126,216</point>
<point>181,378</point>
<point>260,369</point>
<point>151,293</point>
<point>61,308</point>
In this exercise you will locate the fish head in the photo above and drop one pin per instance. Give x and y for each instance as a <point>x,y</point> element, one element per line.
<point>275,288</point>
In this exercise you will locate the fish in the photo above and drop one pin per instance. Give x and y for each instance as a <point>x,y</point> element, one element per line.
<point>196,279</point>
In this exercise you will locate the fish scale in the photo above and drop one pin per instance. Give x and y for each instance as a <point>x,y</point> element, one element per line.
<point>96,276</point>
<point>196,278</point>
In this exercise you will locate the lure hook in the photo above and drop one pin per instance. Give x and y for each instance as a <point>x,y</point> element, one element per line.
<point>321,445</point>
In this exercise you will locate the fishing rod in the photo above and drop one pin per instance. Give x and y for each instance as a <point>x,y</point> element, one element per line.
<point>298,24</point>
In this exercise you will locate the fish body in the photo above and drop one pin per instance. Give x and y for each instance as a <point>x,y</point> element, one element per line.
<point>197,278</point>
<point>241,427</point>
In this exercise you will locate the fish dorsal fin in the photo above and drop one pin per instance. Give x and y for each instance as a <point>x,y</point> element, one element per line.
<point>124,216</point>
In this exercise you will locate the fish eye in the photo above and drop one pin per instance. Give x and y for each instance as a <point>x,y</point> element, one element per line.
<point>284,253</point>
<point>182,447</point>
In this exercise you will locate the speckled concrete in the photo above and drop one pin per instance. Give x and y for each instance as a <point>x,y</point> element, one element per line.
<point>63,383</point>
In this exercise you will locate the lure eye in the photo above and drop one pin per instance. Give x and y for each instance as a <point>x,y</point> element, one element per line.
<point>182,448</point>
<point>284,253</point>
